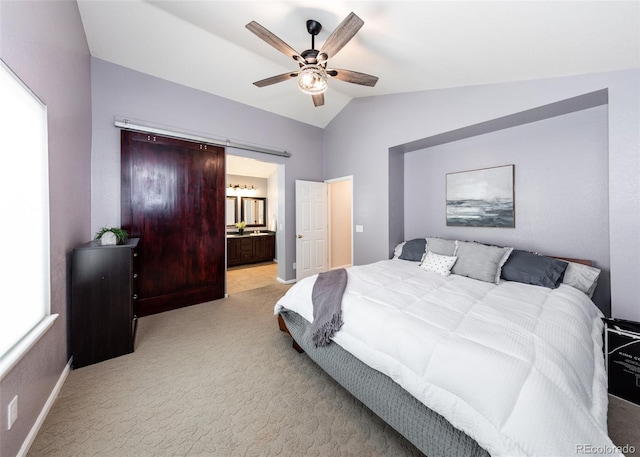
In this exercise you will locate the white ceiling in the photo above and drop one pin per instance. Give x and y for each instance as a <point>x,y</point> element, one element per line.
<point>409,45</point>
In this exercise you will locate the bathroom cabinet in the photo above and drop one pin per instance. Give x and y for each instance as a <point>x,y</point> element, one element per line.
<point>247,249</point>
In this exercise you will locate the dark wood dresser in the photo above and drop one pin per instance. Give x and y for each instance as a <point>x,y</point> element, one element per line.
<point>103,294</point>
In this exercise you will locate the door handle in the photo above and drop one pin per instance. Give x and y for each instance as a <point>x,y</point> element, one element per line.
<point>299,236</point>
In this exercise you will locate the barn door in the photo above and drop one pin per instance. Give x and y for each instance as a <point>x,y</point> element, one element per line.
<point>173,198</point>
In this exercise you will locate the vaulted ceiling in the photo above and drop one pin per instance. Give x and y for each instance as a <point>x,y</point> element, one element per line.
<point>409,45</point>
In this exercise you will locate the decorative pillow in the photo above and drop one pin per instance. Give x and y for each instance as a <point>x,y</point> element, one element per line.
<point>441,246</point>
<point>582,277</point>
<point>398,250</point>
<point>480,261</point>
<point>437,263</point>
<point>414,249</point>
<point>530,268</point>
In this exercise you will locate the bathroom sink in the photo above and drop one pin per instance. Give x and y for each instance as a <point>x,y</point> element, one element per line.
<point>237,235</point>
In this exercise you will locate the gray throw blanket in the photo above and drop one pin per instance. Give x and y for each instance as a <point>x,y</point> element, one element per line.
<point>327,305</point>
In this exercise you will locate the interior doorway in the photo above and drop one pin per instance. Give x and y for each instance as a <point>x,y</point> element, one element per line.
<point>340,208</point>
<point>324,225</point>
<point>252,196</point>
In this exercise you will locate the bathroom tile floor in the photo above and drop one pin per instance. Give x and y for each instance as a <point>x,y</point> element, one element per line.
<point>247,277</point>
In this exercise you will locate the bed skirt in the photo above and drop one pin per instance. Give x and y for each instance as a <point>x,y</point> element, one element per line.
<point>424,428</point>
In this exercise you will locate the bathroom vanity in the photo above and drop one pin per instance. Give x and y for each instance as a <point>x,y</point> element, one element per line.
<point>251,247</point>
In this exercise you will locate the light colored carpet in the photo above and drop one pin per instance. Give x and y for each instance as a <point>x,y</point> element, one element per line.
<point>216,379</point>
<point>219,379</point>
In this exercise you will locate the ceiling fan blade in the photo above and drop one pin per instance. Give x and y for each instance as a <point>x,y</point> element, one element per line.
<point>353,77</point>
<point>318,100</point>
<point>275,79</point>
<point>274,41</point>
<point>340,36</point>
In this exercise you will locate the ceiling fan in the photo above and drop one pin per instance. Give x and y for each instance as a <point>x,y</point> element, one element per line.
<point>313,72</point>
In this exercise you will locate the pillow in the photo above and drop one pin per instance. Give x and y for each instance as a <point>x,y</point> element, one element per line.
<point>582,277</point>
<point>441,246</point>
<point>437,263</point>
<point>531,268</point>
<point>398,250</point>
<point>480,261</point>
<point>414,250</point>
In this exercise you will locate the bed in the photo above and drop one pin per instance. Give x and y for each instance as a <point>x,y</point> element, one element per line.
<point>462,361</point>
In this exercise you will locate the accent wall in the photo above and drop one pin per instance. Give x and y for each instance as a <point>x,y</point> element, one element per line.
<point>561,182</point>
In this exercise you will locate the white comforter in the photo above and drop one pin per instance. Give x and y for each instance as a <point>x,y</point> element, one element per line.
<point>519,368</point>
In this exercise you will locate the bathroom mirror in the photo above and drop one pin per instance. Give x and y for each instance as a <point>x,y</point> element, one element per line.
<point>254,211</point>
<point>232,211</point>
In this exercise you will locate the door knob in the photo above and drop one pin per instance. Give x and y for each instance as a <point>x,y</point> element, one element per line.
<point>299,236</point>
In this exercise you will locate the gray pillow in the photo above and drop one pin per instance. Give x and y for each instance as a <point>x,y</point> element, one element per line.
<point>480,261</point>
<point>535,269</point>
<point>414,250</point>
<point>441,246</point>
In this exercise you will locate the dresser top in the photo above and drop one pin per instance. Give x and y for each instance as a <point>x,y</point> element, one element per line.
<point>95,244</point>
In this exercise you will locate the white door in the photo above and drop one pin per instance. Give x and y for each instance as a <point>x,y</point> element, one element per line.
<point>311,228</point>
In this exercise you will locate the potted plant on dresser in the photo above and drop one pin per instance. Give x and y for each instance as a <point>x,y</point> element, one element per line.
<point>109,236</point>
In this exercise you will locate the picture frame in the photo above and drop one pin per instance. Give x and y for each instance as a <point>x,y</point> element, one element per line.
<point>481,198</point>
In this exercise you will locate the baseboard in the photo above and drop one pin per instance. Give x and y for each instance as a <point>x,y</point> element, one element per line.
<point>290,281</point>
<point>31,437</point>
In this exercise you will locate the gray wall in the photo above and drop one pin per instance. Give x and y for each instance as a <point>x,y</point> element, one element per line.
<point>358,140</point>
<point>123,93</point>
<point>561,169</point>
<point>45,45</point>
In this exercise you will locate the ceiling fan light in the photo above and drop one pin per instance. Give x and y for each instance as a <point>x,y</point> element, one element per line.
<point>313,80</point>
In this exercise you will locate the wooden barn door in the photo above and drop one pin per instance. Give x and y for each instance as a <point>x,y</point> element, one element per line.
<point>173,198</point>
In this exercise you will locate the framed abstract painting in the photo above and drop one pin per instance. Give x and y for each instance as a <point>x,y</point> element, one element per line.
<point>481,198</point>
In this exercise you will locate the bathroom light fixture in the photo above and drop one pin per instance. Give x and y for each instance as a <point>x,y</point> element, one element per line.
<point>313,79</point>
<point>240,187</point>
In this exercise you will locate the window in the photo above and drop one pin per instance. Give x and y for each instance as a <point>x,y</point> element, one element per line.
<point>24,231</point>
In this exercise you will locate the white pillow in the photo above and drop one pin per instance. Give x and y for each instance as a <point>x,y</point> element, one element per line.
<point>582,277</point>
<point>398,250</point>
<point>437,263</point>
